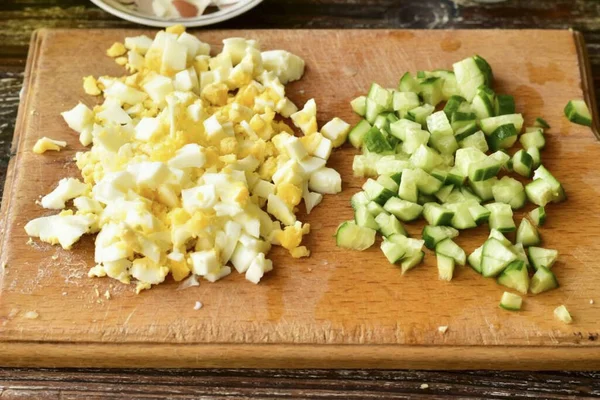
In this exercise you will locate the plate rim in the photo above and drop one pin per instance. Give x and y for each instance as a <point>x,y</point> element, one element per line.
<point>203,20</point>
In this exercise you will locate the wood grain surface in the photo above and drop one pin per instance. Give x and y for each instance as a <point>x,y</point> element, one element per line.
<point>18,19</point>
<point>337,308</point>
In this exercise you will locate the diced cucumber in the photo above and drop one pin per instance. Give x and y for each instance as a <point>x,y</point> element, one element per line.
<point>541,123</point>
<point>440,173</point>
<point>375,141</point>
<point>405,101</point>
<point>453,104</point>
<point>408,83</point>
<point>538,216</point>
<point>372,110</point>
<point>476,140</point>
<point>375,209</point>
<point>501,217</point>
<point>562,314</point>
<point>445,266</point>
<point>390,165</point>
<point>465,131</point>
<point>442,136</point>
<point>501,156</point>
<point>534,138</point>
<point>465,157</point>
<point>448,248</point>
<point>400,127</point>
<point>351,236</point>
<point>431,90</point>
<point>426,158</point>
<point>381,122</point>
<point>534,152</point>
<point>483,103</point>
<point>484,170</point>
<point>432,235</point>
<point>380,95</point>
<point>359,105</point>
<point>502,137</point>
<point>539,192</point>
<point>455,177</point>
<point>474,259</point>
<point>376,191</point>
<point>404,210</point>
<point>426,184</point>
<point>542,281</point>
<point>392,251</point>
<point>515,276</point>
<point>436,214</point>
<point>412,261</point>
<point>509,191</point>
<point>449,84</point>
<point>469,195</point>
<point>495,257</point>
<point>527,234</point>
<point>470,74</point>
<point>540,257</point>
<point>522,163</point>
<point>460,119</point>
<point>489,125</point>
<point>505,104</point>
<point>499,236</point>
<point>479,213</point>
<point>483,189</point>
<point>558,193</point>
<point>389,225</point>
<point>420,114</point>
<point>359,199</point>
<point>387,182</point>
<point>578,112</point>
<point>363,217</point>
<point>462,218</point>
<point>413,139</point>
<point>426,198</point>
<point>364,165</point>
<point>455,196</point>
<point>444,192</point>
<point>357,133</point>
<point>408,186</point>
<point>519,250</point>
<point>511,302</point>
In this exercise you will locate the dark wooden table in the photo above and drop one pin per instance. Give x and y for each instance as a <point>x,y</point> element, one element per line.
<point>18,18</point>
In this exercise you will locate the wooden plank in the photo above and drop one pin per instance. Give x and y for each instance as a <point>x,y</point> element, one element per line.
<point>337,308</point>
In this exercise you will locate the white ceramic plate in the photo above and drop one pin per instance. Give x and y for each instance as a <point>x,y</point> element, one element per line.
<point>130,14</point>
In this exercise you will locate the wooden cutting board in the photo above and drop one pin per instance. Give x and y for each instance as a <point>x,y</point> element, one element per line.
<point>337,308</point>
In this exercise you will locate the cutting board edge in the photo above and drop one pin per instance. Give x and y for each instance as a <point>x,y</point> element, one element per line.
<point>106,355</point>
<point>374,356</point>
<point>21,123</point>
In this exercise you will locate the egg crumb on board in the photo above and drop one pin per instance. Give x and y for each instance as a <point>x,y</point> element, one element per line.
<point>31,315</point>
<point>46,144</point>
<point>194,169</point>
<point>443,329</point>
<point>198,305</point>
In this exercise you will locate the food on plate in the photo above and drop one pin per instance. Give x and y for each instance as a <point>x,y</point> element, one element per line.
<point>441,146</point>
<point>46,144</point>
<point>172,9</point>
<point>193,169</point>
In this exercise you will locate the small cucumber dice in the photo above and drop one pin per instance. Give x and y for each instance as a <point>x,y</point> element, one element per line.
<point>511,302</point>
<point>578,112</point>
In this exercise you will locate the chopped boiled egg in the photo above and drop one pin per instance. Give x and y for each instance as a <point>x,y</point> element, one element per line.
<point>45,144</point>
<point>191,172</point>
